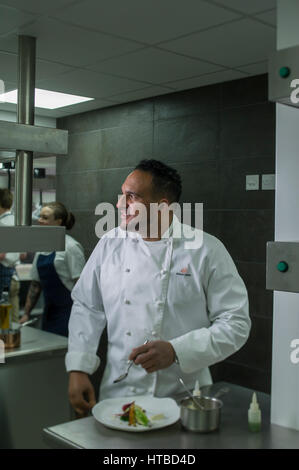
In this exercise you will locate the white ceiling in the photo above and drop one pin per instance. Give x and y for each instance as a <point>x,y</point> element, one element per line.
<point>118,51</point>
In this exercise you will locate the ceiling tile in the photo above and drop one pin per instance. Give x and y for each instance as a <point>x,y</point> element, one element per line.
<point>48,70</point>
<point>208,79</point>
<point>72,45</point>
<point>44,69</point>
<point>155,66</point>
<point>9,43</point>
<point>8,67</point>
<point>248,6</point>
<point>37,6</point>
<point>255,69</point>
<point>10,18</point>
<point>269,17</point>
<point>90,84</point>
<point>243,41</point>
<point>146,21</point>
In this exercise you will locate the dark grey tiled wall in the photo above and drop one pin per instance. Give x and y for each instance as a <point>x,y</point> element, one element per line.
<point>214,136</point>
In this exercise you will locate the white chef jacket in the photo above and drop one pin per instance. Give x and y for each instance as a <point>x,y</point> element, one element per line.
<point>11,259</point>
<point>68,264</point>
<point>194,298</point>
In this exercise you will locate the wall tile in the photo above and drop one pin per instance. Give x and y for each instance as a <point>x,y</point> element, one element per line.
<point>198,101</point>
<point>257,379</point>
<point>245,233</point>
<point>232,183</point>
<point>200,183</point>
<point>252,90</point>
<point>115,116</point>
<point>116,147</point>
<point>257,351</point>
<point>83,153</point>
<point>212,222</point>
<point>189,139</point>
<point>260,299</point>
<point>84,230</point>
<point>248,131</point>
<point>85,190</point>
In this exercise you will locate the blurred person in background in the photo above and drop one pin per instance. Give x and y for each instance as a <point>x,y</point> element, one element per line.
<point>55,273</point>
<point>8,261</point>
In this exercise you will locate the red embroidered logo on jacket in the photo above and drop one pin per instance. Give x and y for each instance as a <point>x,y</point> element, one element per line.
<point>183,272</point>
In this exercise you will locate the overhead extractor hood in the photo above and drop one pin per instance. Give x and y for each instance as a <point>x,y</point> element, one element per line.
<point>23,141</point>
<point>283,76</point>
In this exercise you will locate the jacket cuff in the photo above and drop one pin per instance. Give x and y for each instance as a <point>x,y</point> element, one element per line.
<point>186,352</point>
<point>83,362</point>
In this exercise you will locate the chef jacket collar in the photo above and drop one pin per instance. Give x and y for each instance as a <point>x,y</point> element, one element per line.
<point>167,234</point>
<point>5,214</point>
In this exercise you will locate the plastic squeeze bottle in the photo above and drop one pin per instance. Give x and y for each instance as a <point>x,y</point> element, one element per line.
<point>254,415</point>
<point>196,391</point>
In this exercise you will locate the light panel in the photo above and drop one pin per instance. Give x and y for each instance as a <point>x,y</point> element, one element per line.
<point>46,99</point>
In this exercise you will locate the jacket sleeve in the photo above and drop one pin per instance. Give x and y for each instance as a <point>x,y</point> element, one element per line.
<point>11,259</point>
<point>87,320</point>
<point>75,260</point>
<point>227,309</point>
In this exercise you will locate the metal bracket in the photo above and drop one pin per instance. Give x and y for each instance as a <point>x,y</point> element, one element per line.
<point>18,239</point>
<point>44,140</point>
<point>283,68</point>
<point>282,270</point>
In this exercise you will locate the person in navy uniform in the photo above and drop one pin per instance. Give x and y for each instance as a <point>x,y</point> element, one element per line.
<point>55,273</point>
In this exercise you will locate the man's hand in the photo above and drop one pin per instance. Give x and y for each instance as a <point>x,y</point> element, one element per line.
<point>2,256</point>
<point>154,355</point>
<point>81,393</point>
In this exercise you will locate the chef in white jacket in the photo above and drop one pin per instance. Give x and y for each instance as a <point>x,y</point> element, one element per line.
<point>190,304</point>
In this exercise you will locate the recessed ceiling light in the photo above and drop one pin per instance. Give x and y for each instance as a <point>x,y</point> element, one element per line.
<point>46,99</point>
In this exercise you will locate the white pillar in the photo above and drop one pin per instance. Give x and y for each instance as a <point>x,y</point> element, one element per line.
<point>285,374</point>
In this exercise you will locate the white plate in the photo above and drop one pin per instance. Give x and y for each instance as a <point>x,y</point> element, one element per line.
<point>105,412</point>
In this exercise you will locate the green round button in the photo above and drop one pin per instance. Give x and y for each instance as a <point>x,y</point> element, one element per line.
<point>282,266</point>
<point>284,72</point>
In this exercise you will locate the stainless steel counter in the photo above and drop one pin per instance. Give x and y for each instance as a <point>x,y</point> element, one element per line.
<point>87,433</point>
<point>33,389</point>
<point>36,342</point>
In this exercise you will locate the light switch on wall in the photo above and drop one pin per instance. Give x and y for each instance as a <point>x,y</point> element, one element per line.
<point>268,181</point>
<point>252,182</point>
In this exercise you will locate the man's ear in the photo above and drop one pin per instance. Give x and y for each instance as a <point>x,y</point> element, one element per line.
<point>164,201</point>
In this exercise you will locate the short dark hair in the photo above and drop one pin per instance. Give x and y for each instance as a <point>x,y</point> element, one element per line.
<point>166,180</point>
<point>6,198</point>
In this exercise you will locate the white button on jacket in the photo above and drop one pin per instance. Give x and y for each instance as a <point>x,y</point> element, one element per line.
<point>202,310</point>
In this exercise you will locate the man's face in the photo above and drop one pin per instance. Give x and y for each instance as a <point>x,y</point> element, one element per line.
<point>137,189</point>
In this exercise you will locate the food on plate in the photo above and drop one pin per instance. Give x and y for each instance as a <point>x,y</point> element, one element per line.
<point>158,417</point>
<point>134,414</point>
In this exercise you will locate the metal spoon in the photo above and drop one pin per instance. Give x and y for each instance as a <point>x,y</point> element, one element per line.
<point>29,322</point>
<point>123,376</point>
<point>196,403</point>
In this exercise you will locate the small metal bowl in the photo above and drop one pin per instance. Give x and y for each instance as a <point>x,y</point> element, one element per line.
<point>11,338</point>
<point>198,419</point>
